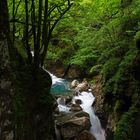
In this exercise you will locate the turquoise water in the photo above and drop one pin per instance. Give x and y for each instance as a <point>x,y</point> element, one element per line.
<point>60,88</point>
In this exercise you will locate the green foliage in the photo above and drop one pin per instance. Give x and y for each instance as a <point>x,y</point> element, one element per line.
<point>118,106</point>
<point>137,36</point>
<point>123,73</point>
<point>96,69</point>
<point>84,57</point>
<point>101,35</point>
<point>99,38</point>
<point>110,68</point>
<point>125,126</point>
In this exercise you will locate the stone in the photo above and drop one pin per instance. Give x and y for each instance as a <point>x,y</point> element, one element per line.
<point>85,135</point>
<point>82,87</point>
<point>74,83</point>
<point>78,101</point>
<point>73,127</point>
<point>68,99</point>
<point>72,124</point>
<point>75,107</point>
<point>61,101</point>
<point>81,114</point>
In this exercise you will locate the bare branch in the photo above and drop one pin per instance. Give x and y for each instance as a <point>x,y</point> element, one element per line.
<point>51,29</point>
<point>26,33</point>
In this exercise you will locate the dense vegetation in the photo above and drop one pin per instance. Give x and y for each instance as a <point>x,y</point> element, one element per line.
<point>99,37</point>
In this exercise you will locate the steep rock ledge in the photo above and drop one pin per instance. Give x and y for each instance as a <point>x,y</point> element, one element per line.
<point>69,72</point>
<point>103,110</point>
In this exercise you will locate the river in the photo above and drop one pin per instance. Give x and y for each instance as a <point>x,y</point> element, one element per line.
<point>61,87</point>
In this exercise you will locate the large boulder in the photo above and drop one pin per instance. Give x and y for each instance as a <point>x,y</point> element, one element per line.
<point>74,126</point>
<point>71,125</point>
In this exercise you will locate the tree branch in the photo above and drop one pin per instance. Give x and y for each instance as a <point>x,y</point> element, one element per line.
<point>33,20</point>
<point>36,50</point>
<point>26,33</point>
<point>51,29</point>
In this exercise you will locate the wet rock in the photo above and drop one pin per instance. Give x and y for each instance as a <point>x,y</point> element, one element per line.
<point>78,101</point>
<point>76,93</point>
<point>61,101</point>
<point>81,114</point>
<point>68,100</point>
<point>67,116</point>
<point>82,87</point>
<point>56,112</point>
<point>85,135</point>
<point>74,126</point>
<point>74,83</point>
<point>75,107</point>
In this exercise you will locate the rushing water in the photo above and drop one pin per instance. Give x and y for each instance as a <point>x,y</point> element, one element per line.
<point>60,86</point>
<point>87,99</point>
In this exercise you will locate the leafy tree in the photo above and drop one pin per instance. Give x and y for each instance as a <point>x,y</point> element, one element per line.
<point>33,104</point>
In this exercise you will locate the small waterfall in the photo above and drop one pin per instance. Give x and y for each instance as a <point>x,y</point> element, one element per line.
<point>55,79</point>
<point>57,133</point>
<point>61,105</point>
<point>87,99</point>
<point>59,86</point>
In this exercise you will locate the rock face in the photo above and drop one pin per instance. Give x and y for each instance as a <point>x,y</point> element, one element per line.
<point>71,125</point>
<point>101,110</point>
<point>60,70</point>
<point>98,104</point>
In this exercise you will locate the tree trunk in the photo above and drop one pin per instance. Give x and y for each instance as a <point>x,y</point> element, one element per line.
<point>31,102</point>
<point>33,105</point>
<point>6,129</point>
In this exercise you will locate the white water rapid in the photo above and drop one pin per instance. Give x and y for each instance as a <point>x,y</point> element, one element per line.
<point>87,99</point>
<point>55,79</point>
